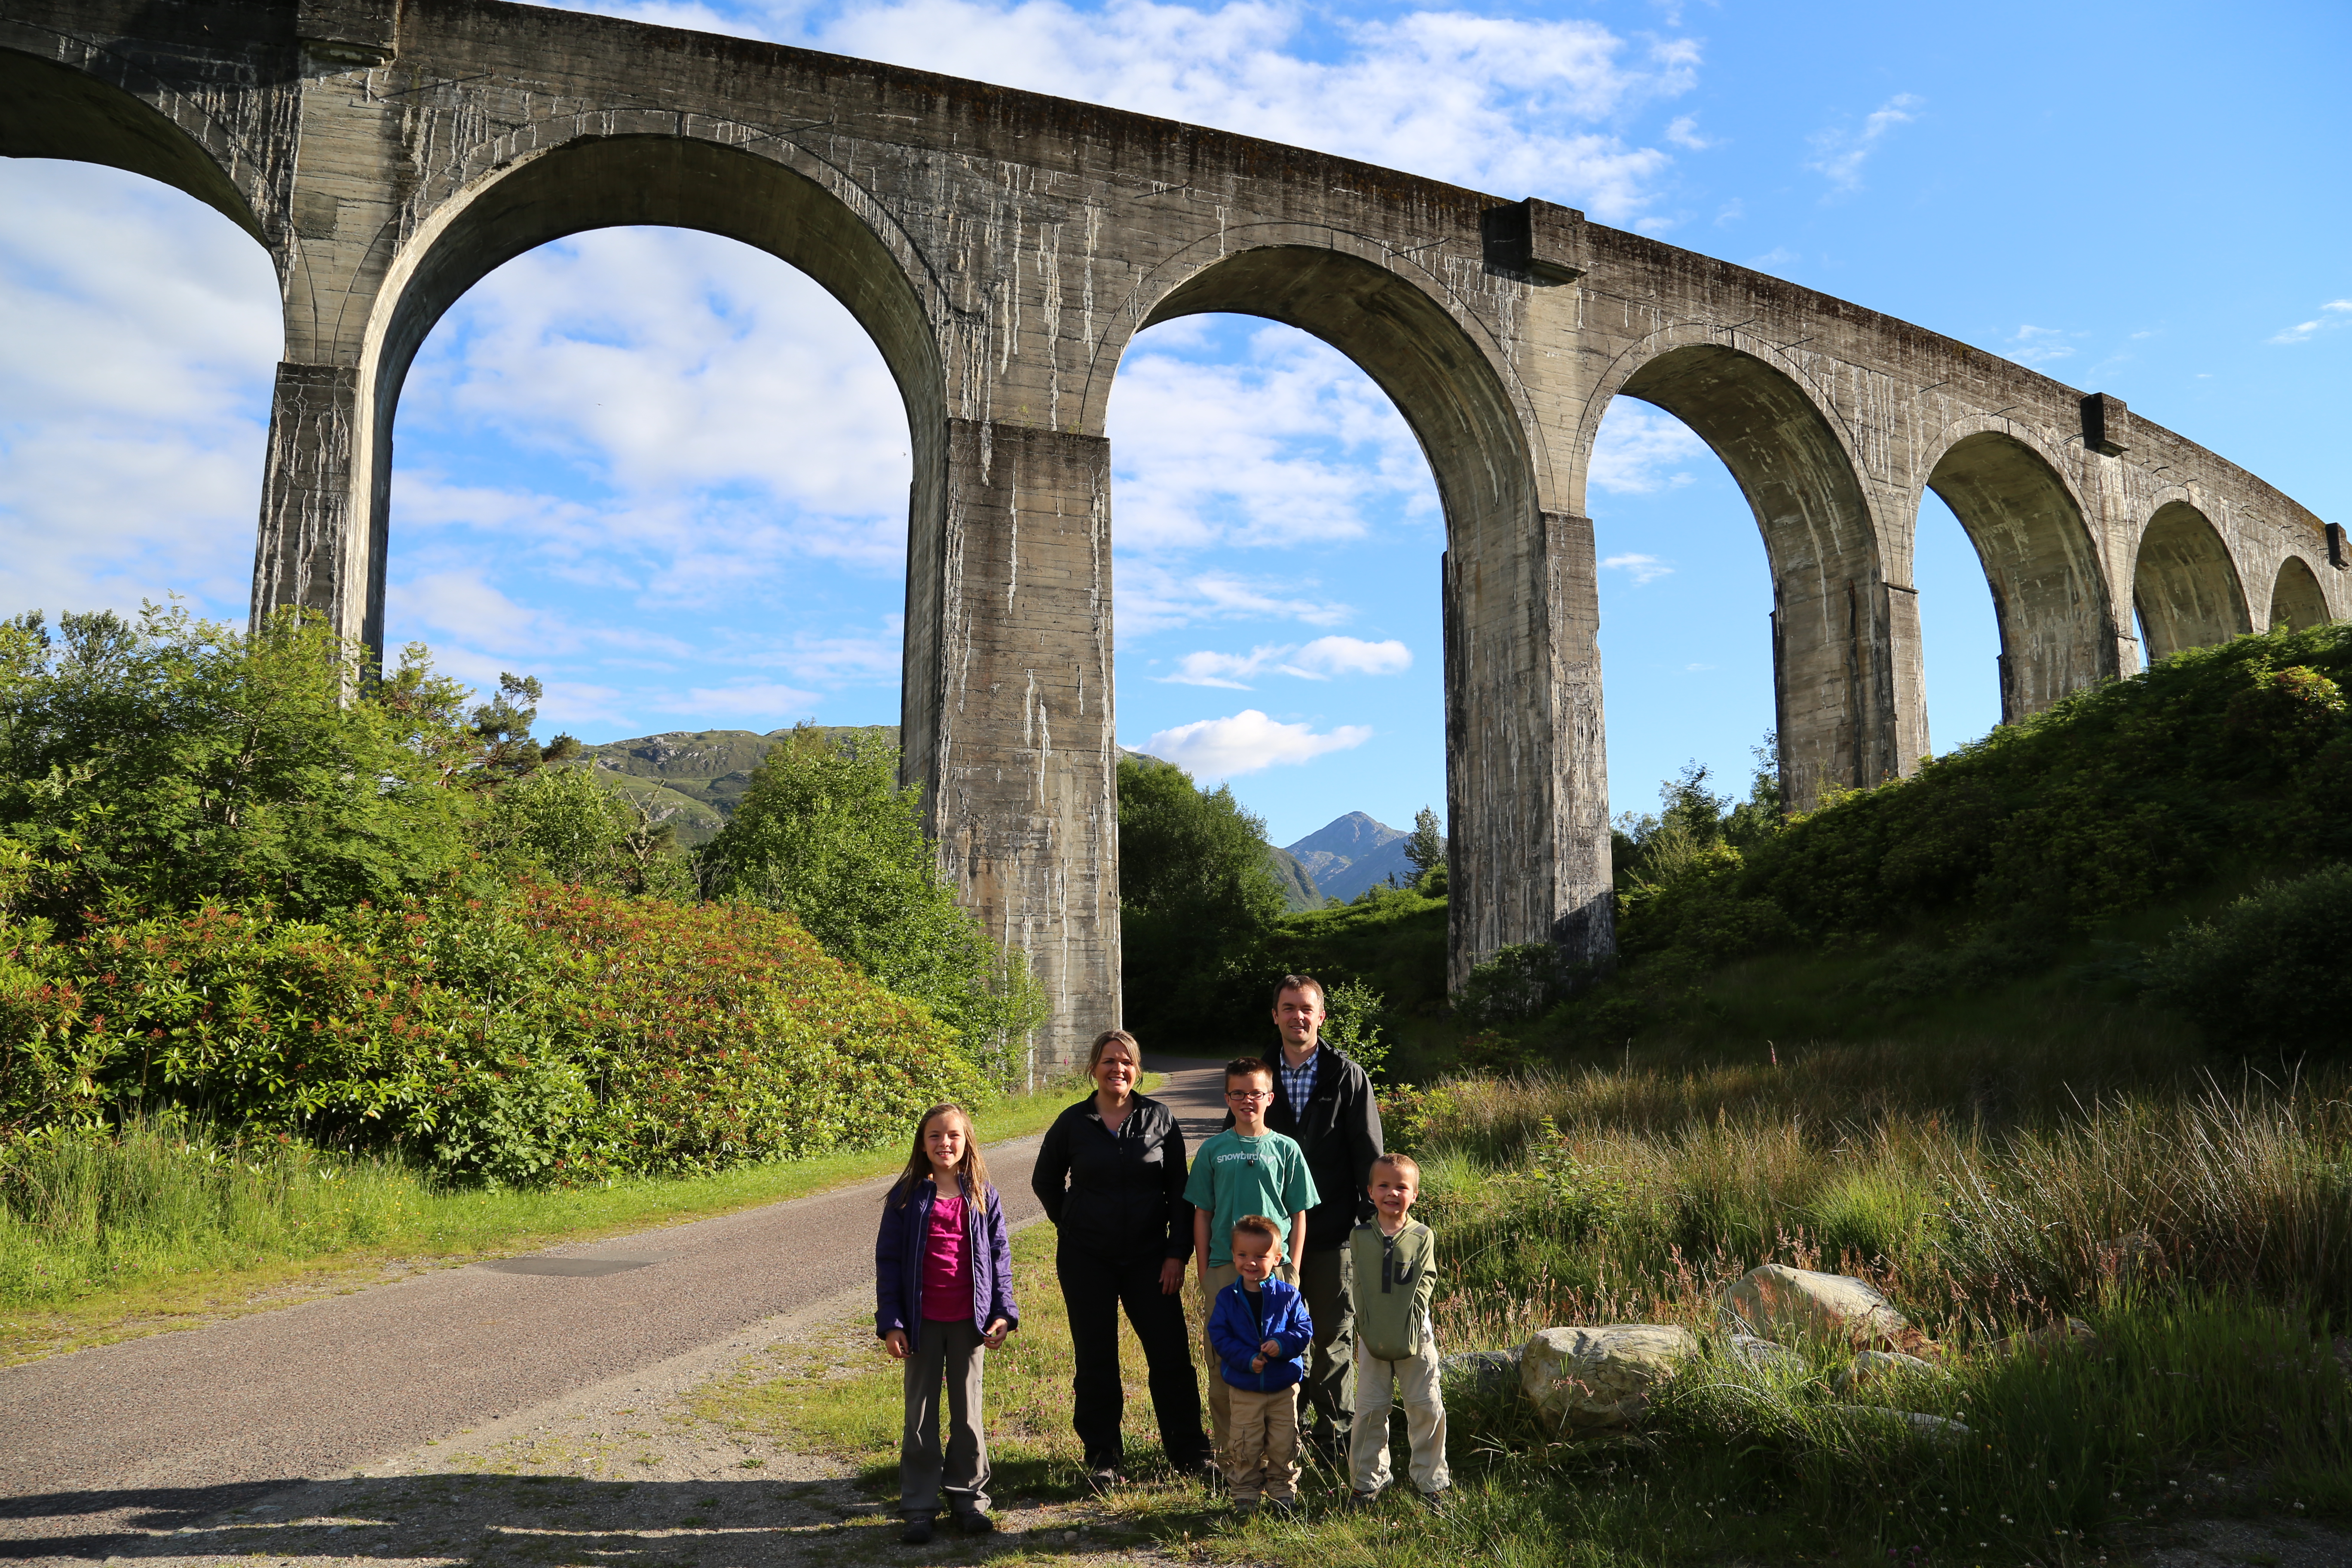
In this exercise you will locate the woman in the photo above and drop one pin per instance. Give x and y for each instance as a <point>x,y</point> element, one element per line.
<point>1111,1177</point>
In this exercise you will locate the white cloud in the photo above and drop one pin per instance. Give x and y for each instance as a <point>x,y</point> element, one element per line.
<point>1778,256</point>
<point>1247,742</point>
<point>1731,211</point>
<point>1318,660</point>
<point>1683,132</point>
<point>143,331</point>
<point>1641,568</point>
<point>1640,451</point>
<point>1839,152</point>
<point>1295,446</point>
<point>1154,596</point>
<point>771,705</point>
<point>1502,104</point>
<point>2334,313</point>
<point>2042,345</point>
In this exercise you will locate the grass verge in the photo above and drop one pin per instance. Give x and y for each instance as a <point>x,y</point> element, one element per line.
<point>166,1228</point>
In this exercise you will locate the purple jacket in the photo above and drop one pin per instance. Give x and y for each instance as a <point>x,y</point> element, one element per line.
<point>898,1263</point>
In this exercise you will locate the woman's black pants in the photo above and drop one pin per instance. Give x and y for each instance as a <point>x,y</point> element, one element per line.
<point>1095,1289</point>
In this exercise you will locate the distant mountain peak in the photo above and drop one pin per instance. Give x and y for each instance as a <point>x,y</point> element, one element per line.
<point>1352,837</point>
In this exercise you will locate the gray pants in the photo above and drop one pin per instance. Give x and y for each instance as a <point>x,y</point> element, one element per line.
<point>1326,1278</point>
<point>947,1353</point>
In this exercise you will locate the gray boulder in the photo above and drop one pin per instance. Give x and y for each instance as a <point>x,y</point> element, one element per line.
<point>1598,1379</point>
<point>1779,1302</point>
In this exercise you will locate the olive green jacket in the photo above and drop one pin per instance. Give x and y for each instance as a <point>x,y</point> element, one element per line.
<point>1394,1282</point>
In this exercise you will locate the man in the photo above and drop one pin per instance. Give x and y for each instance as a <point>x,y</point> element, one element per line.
<point>1323,1101</point>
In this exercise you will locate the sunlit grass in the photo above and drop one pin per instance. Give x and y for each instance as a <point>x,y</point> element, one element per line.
<point>168,1225</point>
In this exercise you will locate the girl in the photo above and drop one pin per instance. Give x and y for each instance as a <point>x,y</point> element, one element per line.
<point>943,1293</point>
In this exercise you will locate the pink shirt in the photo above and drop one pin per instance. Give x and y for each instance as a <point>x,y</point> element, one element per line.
<point>946,1271</point>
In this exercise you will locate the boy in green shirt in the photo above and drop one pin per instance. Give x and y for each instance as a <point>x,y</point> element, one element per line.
<point>1394,1258</point>
<point>1244,1170</point>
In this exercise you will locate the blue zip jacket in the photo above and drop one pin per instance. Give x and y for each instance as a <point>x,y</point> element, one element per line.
<point>898,1262</point>
<point>1236,1330</point>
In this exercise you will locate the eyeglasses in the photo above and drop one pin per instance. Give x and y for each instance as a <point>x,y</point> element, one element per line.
<point>1248,1094</point>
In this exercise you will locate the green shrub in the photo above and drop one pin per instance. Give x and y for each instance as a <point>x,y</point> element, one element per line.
<point>545,1035</point>
<point>2271,971</point>
<point>825,833</point>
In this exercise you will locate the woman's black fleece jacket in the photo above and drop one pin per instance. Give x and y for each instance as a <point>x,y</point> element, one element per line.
<point>1118,1196</point>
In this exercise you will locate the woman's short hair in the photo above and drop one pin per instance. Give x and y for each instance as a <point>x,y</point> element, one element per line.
<point>1108,1038</point>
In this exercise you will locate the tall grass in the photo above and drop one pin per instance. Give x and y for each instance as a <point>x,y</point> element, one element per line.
<point>173,1199</point>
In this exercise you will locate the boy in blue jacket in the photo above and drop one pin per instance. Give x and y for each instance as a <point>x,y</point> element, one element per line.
<point>1260,1330</point>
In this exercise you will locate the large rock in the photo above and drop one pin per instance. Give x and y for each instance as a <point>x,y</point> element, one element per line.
<point>1779,1302</point>
<point>1601,1378</point>
<point>1881,1366</point>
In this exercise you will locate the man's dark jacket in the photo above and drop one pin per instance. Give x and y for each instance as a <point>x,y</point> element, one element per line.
<point>1339,1130</point>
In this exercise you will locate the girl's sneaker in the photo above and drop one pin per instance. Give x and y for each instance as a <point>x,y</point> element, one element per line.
<point>917,1534</point>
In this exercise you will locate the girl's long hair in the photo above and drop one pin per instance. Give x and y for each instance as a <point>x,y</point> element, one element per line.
<point>972,1169</point>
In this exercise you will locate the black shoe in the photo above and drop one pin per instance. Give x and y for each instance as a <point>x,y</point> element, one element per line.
<point>917,1534</point>
<point>975,1522</point>
<point>1103,1478</point>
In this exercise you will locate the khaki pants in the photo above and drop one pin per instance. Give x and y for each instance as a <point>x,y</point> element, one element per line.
<point>1220,1391</point>
<point>1263,1456</point>
<point>1415,1382</point>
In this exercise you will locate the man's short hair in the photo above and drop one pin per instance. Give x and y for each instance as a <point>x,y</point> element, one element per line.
<point>1246,1067</point>
<point>1259,1224</point>
<point>1405,1165</point>
<point>1302,983</point>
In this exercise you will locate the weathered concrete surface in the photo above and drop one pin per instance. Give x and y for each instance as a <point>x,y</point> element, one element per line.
<point>1003,248</point>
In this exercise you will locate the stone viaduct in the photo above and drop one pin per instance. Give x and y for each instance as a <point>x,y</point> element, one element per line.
<point>1002,249</point>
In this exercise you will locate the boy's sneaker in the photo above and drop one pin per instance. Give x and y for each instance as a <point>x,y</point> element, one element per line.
<point>1362,1499</point>
<point>917,1534</point>
<point>1437,1501</point>
<point>1244,1507</point>
<point>975,1522</point>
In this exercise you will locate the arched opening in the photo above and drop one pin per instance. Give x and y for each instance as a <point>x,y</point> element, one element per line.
<point>599,183</point>
<point>1526,864</point>
<point>2296,602</point>
<point>2185,587</point>
<point>1962,667</point>
<point>1686,594</point>
<point>664,473</point>
<point>1829,605</point>
<point>142,328</point>
<point>2036,554</point>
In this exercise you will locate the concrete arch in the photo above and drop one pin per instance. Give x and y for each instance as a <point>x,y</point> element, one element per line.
<point>2297,599</point>
<point>53,110</point>
<point>2049,594</point>
<point>608,181</point>
<point>2185,586</point>
<point>1832,611</point>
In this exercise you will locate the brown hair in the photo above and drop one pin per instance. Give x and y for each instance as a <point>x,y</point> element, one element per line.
<point>1247,1066</point>
<point>972,1170</point>
<point>1108,1038</point>
<point>1405,1164</point>
<point>1302,983</point>
<point>1259,1224</point>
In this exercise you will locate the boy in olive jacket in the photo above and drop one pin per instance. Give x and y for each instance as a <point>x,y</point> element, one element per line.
<point>1395,1257</point>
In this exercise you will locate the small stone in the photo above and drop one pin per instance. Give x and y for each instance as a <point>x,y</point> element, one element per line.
<point>1936,1429</point>
<point>1599,1378</point>
<point>1877,1366</point>
<point>1482,1371</point>
<point>1764,1354</point>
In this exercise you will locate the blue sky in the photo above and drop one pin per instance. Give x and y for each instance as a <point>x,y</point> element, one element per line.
<point>668,475</point>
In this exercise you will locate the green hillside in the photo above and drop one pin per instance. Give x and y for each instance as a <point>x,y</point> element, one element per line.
<point>1299,888</point>
<point>691,778</point>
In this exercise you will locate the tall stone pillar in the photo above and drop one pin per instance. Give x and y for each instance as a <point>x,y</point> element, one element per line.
<point>1007,719</point>
<point>1527,773</point>
<point>303,555</point>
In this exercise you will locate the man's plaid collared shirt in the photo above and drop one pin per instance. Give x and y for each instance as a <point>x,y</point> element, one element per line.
<point>1298,1082</point>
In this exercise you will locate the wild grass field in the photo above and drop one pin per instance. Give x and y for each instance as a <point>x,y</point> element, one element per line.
<point>2199,1229</point>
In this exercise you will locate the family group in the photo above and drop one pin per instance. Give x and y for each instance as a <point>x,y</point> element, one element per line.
<point>1315,1280</point>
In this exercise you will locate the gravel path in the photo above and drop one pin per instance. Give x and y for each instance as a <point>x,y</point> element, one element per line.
<point>102,1448</point>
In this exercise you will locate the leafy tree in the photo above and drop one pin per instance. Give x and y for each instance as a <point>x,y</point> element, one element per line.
<point>1196,904</point>
<point>574,828</point>
<point>171,761</point>
<point>824,831</point>
<point>1425,846</point>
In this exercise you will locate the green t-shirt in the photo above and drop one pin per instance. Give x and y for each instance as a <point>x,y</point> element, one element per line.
<point>1234,1175</point>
